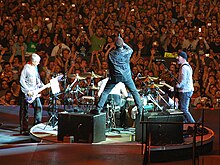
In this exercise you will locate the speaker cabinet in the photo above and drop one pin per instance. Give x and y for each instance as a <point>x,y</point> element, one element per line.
<point>85,128</point>
<point>161,134</point>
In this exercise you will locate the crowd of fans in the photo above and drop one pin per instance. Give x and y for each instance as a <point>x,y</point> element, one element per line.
<point>76,36</point>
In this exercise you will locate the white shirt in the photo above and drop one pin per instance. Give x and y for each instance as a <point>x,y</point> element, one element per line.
<point>119,88</point>
<point>30,79</point>
<point>56,48</point>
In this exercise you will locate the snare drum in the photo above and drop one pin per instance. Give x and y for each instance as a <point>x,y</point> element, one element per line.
<point>88,100</point>
<point>130,101</point>
<point>148,107</point>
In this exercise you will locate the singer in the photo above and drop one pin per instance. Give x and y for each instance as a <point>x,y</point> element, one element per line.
<point>119,71</point>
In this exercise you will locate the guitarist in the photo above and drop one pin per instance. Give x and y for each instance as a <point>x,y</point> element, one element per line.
<point>30,81</point>
<point>185,85</point>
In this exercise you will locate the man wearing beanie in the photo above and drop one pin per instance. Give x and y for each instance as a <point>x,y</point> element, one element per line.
<point>185,85</point>
<point>119,71</point>
<point>30,81</point>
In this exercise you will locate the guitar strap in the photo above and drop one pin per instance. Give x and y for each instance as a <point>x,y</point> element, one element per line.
<point>183,65</point>
<point>187,65</point>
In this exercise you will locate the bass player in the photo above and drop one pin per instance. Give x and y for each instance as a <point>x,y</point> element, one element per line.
<point>30,82</point>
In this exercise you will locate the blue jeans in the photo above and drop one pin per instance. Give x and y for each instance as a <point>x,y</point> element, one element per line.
<point>184,100</point>
<point>24,112</point>
<point>129,83</point>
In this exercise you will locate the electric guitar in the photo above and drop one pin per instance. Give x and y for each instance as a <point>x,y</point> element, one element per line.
<point>167,85</point>
<point>32,95</point>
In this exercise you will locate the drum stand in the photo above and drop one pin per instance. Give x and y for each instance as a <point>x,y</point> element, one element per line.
<point>77,90</point>
<point>74,93</point>
<point>111,115</point>
<point>150,97</point>
<point>111,122</point>
<point>54,111</point>
<point>159,96</point>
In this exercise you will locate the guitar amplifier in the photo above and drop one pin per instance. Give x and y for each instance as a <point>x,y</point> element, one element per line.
<point>161,134</point>
<point>85,128</point>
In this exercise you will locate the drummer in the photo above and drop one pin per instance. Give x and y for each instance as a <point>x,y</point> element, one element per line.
<point>118,94</point>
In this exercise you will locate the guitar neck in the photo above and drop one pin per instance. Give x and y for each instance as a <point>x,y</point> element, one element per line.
<point>42,88</point>
<point>167,85</point>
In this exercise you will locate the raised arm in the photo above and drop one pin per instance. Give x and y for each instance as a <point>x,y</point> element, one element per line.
<point>111,46</point>
<point>129,49</point>
<point>90,26</point>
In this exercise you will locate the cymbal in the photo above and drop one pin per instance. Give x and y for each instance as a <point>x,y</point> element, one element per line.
<point>93,87</point>
<point>157,85</point>
<point>76,76</point>
<point>149,77</point>
<point>153,78</point>
<point>95,75</point>
<point>90,74</point>
<point>142,77</point>
<point>86,74</point>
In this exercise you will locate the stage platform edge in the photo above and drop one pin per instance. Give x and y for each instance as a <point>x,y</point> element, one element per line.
<point>168,152</point>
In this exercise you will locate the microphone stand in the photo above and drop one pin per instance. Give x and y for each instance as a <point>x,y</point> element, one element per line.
<point>64,85</point>
<point>68,89</point>
<point>176,81</point>
<point>151,98</point>
<point>158,90</point>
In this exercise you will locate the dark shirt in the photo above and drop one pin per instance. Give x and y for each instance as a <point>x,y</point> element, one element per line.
<point>145,51</point>
<point>119,63</point>
<point>3,42</point>
<point>171,48</point>
<point>83,48</point>
<point>47,49</point>
<point>215,47</point>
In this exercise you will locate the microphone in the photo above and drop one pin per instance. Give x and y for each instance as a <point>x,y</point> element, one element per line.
<point>158,60</point>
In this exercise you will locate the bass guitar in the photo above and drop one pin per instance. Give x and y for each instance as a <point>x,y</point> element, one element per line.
<point>32,95</point>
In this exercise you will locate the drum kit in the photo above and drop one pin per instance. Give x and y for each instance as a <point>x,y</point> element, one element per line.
<point>83,96</point>
<point>73,96</point>
<point>152,96</point>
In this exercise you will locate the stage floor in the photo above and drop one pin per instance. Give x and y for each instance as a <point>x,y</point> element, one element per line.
<point>126,137</point>
<point>117,149</point>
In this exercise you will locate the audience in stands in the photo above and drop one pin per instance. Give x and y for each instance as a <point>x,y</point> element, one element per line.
<point>76,38</point>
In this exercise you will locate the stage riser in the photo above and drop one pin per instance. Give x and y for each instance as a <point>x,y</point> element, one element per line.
<point>161,134</point>
<point>179,154</point>
<point>84,128</point>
